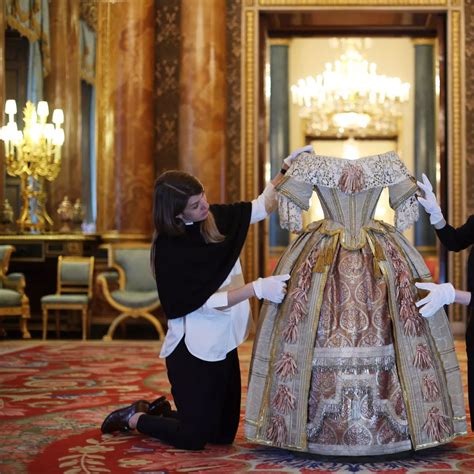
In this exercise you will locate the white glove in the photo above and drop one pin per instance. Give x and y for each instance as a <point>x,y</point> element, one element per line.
<point>429,202</point>
<point>289,159</point>
<point>272,288</point>
<point>439,295</point>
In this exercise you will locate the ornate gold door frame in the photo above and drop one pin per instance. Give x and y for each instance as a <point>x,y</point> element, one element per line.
<point>454,10</point>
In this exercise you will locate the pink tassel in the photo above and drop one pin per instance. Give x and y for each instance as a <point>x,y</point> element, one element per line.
<point>437,425</point>
<point>352,179</point>
<point>422,359</point>
<point>298,311</point>
<point>412,322</point>
<point>404,292</point>
<point>430,389</point>
<point>284,400</point>
<point>405,310</point>
<point>299,294</point>
<point>403,277</point>
<point>305,276</point>
<point>277,431</point>
<point>396,262</point>
<point>290,333</point>
<point>411,327</point>
<point>286,367</point>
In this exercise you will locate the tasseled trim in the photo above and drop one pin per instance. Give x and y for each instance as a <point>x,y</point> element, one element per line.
<point>284,400</point>
<point>299,297</point>
<point>404,291</point>
<point>403,278</point>
<point>430,389</point>
<point>412,321</point>
<point>286,367</point>
<point>412,327</point>
<point>437,425</point>
<point>352,178</point>
<point>277,431</point>
<point>422,359</point>
<point>298,311</point>
<point>405,310</point>
<point>299,294</point>
<point>290,333</point>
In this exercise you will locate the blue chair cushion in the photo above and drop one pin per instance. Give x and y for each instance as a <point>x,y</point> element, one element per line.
<point>135,299</point>
<point>16,276</point>
<point>9,298</point>
<point>65,299</point>
<point>77,272</point>
<point>136,265</point>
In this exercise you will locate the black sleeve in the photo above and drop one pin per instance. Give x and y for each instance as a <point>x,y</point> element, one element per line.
<point>470,279</point>
<point>457,239</point>
<point>229,215</point>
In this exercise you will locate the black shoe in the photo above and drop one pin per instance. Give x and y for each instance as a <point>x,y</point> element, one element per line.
<point>159,407</point>
<point>118,419</point>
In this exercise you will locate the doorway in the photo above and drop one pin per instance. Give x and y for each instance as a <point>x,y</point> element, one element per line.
<point>281,21</point>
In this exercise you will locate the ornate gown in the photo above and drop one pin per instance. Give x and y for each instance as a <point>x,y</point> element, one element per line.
<point>346,365</point>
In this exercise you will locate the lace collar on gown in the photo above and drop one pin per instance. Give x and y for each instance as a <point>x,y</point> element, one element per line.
<point>349,176</point>
<point>370,171</point>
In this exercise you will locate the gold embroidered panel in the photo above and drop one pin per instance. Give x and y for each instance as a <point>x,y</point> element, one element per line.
<point>469,86</point>
<point>167,47</point>
<point>234,48</point>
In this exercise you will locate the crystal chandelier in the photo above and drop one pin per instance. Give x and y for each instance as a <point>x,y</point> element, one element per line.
<point>350,98</point>
<point>33,155</point>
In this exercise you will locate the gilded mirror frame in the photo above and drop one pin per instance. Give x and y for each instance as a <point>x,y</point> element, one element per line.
<point>455,123</point>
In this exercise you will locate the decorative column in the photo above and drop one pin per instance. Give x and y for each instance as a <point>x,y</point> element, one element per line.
<point>62,90</point>
<point>279,129</point>
<point>202,120</point>
<point>425,133</point>
<point>124,111</point>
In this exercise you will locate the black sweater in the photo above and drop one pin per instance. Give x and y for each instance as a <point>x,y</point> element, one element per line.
<point>459,239</point>
<point>188,270</point>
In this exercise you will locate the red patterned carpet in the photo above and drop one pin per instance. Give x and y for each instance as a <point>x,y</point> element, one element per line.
<point>54,396</point>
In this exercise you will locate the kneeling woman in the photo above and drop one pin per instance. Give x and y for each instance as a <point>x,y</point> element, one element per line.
<point>195,254</point>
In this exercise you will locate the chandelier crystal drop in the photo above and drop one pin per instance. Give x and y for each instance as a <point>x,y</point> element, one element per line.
<point>351,97</point>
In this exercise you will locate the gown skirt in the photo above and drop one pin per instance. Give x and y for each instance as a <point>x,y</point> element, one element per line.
<point>346,365</point>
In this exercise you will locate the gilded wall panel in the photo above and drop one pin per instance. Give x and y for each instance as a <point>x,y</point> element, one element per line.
<point>469,58</point>
<point>167,47</point>
<point>234,50</point>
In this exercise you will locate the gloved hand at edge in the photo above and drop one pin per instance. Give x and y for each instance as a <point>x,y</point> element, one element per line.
<point>290,158</point>
<point>439,295</point>
<point>429,202</point>
<point>272,288</point>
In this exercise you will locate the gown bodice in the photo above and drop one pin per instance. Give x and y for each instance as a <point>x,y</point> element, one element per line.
<point>353,211</point>
<point>348,191</point>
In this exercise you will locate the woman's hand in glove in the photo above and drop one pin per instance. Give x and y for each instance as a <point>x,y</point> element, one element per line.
<point>439,295</point>
<point>429,202</point>
<point>272,288</point>
<point>290,158</point>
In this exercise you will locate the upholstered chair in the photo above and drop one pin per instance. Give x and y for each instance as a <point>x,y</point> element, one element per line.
<point>137,295</point>
<point>74,292</point>
<point>13,300</point>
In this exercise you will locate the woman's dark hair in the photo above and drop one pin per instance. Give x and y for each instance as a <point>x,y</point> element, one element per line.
<point>171,195</point>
